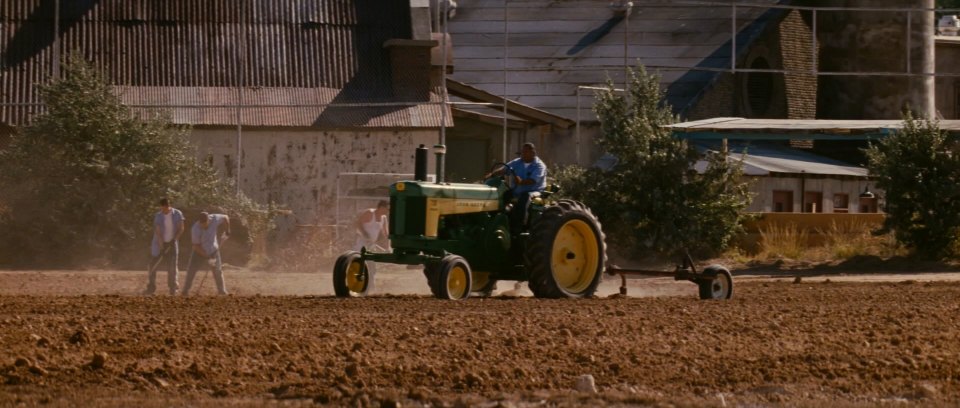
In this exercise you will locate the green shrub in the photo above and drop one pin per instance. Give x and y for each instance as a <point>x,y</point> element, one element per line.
<point>653,201</point>
<point>919,170</point>
<point>80,184</point>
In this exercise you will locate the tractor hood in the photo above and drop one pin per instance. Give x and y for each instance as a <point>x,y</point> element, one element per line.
<point>446,190</point>
<point>416,207</point>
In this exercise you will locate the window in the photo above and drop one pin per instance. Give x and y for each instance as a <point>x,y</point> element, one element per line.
<point>782,201</point>
<point>812,202</point>
<point>841,203</point>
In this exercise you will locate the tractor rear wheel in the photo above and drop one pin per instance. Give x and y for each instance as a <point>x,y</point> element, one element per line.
<point>718,288</point>
<point>454,278</point>
<point>566,253</point>
<point>350,275</point>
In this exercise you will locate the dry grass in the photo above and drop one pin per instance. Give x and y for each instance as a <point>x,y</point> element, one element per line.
<point>778,242</point>
<point>856,238</point>
<point>841,241</point>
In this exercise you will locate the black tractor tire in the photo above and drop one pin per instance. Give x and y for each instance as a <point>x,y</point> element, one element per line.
<point>718,288</point>
<point>566,253</point>
<point>350,276</point>
<point>454,278</point>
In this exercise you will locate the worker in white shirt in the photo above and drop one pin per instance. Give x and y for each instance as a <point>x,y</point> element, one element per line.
<point>372,226</point>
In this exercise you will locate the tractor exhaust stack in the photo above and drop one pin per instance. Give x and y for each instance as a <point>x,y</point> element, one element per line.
<point>420,164</point>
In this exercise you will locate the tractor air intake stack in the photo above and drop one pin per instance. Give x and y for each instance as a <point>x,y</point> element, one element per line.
<point>440,150</point>
<point>420,164</point>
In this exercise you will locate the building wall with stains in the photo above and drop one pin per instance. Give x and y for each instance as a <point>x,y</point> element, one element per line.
<point>299,168</point>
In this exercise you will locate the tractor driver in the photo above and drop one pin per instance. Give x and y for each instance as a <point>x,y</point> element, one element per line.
<point>529,175</point>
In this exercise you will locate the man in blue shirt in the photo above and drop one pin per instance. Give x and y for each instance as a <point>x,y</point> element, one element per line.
<point>529,176</point>
<point>167,227</point>
<point>206,246</point>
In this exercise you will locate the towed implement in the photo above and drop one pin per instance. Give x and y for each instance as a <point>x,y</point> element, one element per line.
<point>713,282</point>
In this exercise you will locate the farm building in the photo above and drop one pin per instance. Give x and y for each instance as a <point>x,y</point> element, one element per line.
<point>286,97</point>
<point>750,58</point>
<point>281,96</point>
<point>793,180</point>
<point>550,55</point>
<point>789,180</point>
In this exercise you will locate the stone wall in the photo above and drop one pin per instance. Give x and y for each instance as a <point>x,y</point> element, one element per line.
<point>874,41</point>
<point>796,50</point>
<point>785,46</point>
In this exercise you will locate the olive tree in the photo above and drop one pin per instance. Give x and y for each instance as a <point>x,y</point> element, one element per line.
<point>79,184</point>
<point>919,170</point>
<point>652,200</point>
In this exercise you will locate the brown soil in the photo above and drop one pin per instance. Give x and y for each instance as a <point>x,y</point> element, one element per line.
<point>777,342</point>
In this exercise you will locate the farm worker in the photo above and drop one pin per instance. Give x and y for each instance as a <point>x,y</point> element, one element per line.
<point>206,246</point>
<point>167,227</point>
<point>529,175</point>
<point>372,226</point>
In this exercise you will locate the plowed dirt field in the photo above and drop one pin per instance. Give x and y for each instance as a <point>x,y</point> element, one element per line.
<point>84,339</point>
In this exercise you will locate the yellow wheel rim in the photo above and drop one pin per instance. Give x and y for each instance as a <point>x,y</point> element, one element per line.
<point>356,276</point>
<point>574,257</point>
<point>457,282</point>
<point>480,279</point>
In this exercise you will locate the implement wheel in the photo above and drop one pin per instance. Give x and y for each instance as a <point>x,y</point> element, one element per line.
<point>566,254</point>
<point>718,288</point>
<point>454,278</point>
<point>350,276</point>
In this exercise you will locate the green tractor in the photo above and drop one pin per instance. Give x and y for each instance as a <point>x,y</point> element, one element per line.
<point>469,236</point>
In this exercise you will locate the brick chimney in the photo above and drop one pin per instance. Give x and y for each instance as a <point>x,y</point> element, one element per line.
<point>416,62</point>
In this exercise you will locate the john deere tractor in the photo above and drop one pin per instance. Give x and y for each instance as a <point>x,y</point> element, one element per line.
<point>468,236</point>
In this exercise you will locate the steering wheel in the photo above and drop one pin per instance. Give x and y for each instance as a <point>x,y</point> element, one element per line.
<point>506,173</point>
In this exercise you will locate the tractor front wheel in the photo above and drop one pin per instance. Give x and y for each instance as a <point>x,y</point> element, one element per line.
<point>350,275</point>
<point>566,252</point>
<point>454,278</point>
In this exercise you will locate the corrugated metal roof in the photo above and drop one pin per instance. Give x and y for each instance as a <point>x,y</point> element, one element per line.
<point>782,129</point>
<point>178,52</point>
<point>763,160</point>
